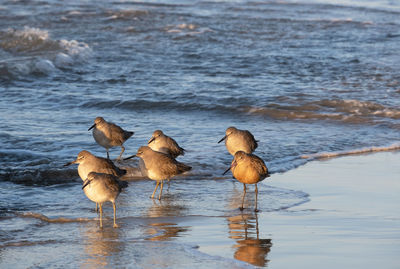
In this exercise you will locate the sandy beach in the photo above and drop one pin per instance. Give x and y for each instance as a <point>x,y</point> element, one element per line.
<point>349,218</point>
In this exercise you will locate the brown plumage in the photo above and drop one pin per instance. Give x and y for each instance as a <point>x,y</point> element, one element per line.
<point>108,135</point>
<point>100,188</point>
<point>159,166</point>
<point>91,163</point>
<point>87,163</point>
<point>236,140</point>
<point>248,169</point>
<point>163,143</point>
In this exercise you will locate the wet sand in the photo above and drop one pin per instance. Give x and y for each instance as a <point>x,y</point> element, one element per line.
<point>349,217</point>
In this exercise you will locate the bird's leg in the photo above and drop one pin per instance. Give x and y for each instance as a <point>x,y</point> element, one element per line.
<point>162,184</point>
<point>244,194</point>
<point>108,155</point>
<point>256,191</point>
<point>115,215</point>
<point>152,196</point>
<point>96,209</point>
<point>122,151</point>
<point>101,215</point>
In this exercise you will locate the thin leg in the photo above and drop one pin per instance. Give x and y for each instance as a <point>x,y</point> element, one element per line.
<point>162,185</point>
<point>115,215</point>
<point>152,196</point>
<point>122,151</point>
<point>97,210</point>
<point>244,194</point>
<point>101,215</point>
<point>256,191</point>
<point>108,155</point>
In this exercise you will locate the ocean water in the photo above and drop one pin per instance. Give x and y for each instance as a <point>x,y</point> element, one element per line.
<point>310,79</point>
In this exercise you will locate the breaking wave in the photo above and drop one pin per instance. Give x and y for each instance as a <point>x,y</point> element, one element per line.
<point>325,155</point>
<point>32,51</point>
<point>353,111</point>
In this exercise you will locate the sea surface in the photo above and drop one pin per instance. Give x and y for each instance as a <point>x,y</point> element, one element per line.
<point>310,79</point>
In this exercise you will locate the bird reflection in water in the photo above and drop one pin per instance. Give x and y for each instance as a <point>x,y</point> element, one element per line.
<point>100,245</point>
<point>249,247</point>
<point>162,227</point>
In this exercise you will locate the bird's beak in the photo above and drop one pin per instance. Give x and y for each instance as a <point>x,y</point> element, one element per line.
<point>133,156</point>
<point>92,127</point>
<point>67,164</point>
<point>233,165</point>
<point>222,139</point>
<point>226,171</point>
<point>85,183</point>
<point>151,140</point>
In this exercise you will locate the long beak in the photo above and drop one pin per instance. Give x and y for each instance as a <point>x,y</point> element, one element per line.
<point>226,171</point>
<point>92,127</point>
<point>222,139</point>
<point>85,183</point>
<point>67,164</point>
<point>133,156</point>
<point>233,165</point>
<point>151,140</point>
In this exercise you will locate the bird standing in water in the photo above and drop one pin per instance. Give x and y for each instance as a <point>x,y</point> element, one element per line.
<point>159,166</point>
<point>109,135</point>
<point>248,169</point>
<point>87,162</point>
<point>100,188</point>
<point>236,140</point>
<point>163,143</point>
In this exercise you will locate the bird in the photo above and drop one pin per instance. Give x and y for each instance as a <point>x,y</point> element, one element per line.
<point>248,168</point>
<point>108,135</point>
<point>87,162</point>
<point>159,166</point>
<point>236,139</point>
<point>100,188</point>
<point>163,143</point>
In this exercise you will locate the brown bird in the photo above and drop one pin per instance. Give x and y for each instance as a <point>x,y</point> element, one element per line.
<point>91,163</point>
<point>236,140</point>
<point>163,143</point>
<point>109,135</point>
<point>87,163</point>
<point>159,166</point>
<point>100,188</point>
<point>248,169</point>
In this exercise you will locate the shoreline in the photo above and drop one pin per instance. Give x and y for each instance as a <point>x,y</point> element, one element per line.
<point>348,217</point>
<point>352,218</point>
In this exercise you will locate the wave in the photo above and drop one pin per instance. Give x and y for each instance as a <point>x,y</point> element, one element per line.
<point>51,220</point>
<point>353,111</point>
<point>349,111</point>
<point>32,51</point>
<point>325,155</point>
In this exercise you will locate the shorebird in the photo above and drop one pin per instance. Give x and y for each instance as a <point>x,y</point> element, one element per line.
<point>87,163</point>
<point>109,135</point>
<point>248,169</point>
<point>163,143</point>
<point>91,163</point>
<point>100,188</point>
<point>236,140</point>
<point>159,166</point>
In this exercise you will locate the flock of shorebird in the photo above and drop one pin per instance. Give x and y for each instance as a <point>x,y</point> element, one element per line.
<point>101,177</point>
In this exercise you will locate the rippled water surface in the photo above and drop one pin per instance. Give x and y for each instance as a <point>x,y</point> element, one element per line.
<point>308,78</point>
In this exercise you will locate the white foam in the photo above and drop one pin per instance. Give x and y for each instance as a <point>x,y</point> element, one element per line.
<point>63,60</point>
<point>33,51</point>
<point>44,66</point>
<point>323,155</point>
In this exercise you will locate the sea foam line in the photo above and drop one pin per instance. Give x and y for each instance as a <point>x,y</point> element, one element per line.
<point>324,155</point>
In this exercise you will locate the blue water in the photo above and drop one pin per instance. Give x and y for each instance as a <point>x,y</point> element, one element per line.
<point>307,78</point>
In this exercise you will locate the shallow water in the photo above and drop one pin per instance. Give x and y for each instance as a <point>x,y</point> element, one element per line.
<point>308,78</point>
